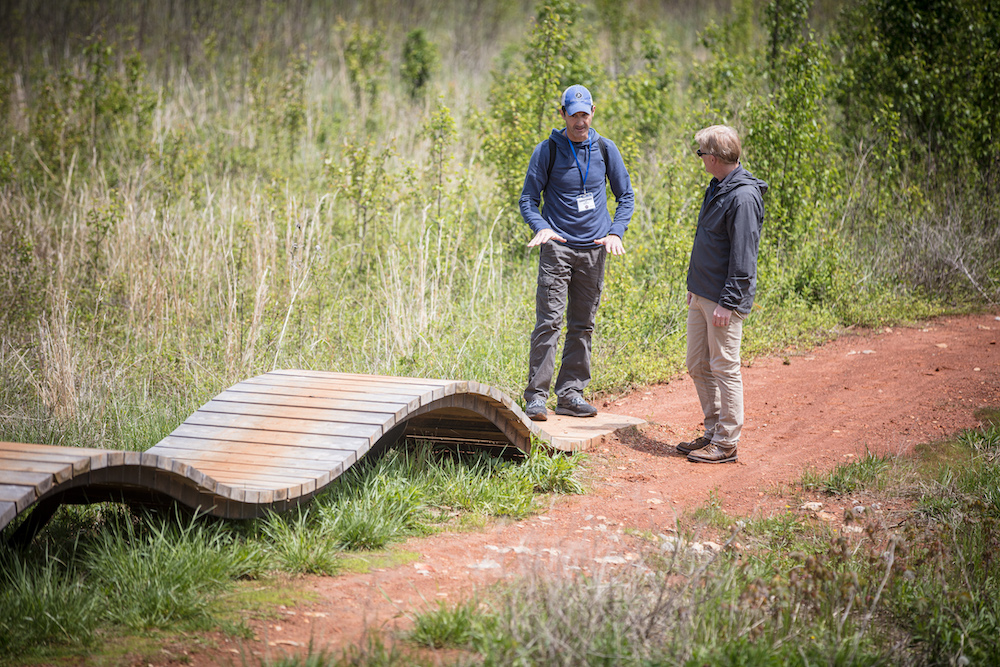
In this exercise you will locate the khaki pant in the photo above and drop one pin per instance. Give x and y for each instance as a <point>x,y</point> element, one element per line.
<point>713,361</point>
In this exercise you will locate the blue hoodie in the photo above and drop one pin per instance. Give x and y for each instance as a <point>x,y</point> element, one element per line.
<point>559,213</point>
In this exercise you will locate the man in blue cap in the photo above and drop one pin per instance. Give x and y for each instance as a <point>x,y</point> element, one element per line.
<point>575,232</point>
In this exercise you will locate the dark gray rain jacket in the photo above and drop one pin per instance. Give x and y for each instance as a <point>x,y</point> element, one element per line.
<point>723,265</point>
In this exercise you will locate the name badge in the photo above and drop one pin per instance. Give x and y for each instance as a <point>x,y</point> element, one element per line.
<point>585,202</point>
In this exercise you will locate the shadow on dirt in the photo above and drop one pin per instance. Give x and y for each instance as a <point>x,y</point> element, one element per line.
<point>641,442</point>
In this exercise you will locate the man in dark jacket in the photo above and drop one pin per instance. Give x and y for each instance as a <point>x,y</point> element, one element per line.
<point>721,283</point>
<point>575,232</point>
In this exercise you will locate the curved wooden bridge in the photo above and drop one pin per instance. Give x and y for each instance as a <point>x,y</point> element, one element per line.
<point>274,441</point>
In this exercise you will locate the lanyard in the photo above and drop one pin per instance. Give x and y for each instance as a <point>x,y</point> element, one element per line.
<point>578,167</point>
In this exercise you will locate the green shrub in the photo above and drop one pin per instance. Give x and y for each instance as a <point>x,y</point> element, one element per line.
<point>420,60</point>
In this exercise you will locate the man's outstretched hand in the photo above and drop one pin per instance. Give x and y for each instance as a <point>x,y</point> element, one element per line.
<point>544,236</point>
<point>612,244</point>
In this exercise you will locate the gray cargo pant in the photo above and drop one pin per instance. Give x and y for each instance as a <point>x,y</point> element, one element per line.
<point>565,275</point>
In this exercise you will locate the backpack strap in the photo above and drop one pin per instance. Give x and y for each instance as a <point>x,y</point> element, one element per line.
<point>552,158</point>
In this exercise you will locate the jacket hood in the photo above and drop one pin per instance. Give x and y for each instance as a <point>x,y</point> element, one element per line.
<point>739,177</point>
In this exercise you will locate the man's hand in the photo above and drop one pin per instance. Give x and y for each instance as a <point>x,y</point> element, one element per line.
<point>720,316</point>
<point>544,236</point>
<point>613,244</point>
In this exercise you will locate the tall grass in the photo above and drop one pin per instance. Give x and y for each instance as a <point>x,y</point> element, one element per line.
<point>161,574</point>
<point>176,220</point>
<point>42,601</point>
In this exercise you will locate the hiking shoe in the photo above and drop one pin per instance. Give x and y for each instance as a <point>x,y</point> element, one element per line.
<point>575,407</point>
<point>713,453</point>
<point>698,443</point>
<point>535,409</point>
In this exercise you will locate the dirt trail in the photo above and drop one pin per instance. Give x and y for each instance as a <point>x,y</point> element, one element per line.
<point>884,391</point>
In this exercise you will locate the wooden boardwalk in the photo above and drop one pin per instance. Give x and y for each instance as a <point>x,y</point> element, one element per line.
<point>274,441</point>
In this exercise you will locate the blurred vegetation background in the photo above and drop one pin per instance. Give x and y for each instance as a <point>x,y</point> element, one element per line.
<point>193,192</point>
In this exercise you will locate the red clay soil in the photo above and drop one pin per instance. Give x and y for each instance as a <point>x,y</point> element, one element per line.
<point>882,391</point>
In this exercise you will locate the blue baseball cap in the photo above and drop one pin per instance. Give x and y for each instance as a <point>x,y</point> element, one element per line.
<point>576,99</point>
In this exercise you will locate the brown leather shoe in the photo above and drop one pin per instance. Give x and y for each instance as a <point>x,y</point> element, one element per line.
<point>714,453</point>
<point>698,443</point>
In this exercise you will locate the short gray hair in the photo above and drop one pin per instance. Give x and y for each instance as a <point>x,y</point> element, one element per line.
<point>721,141</point>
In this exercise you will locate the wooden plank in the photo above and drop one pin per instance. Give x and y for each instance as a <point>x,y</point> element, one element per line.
<point>8,511</point>
<point>425,391</point>
<point>22,496</point>
<point>40,480</point>
<point>196,448</point>
<point>316,402</point>
<point>226,471</point>
<point>359,387</point>
<point>255,461</point>
<point>50,449</point>
<point>78,463</point>
<point>350,443</point>
<point>235,487</point>
<point>39,457</point>
<point>288,425</point>
<point>289,387</point>
<point>61,470</point>
<point>366,390</point>
<point>197,460</point>
<point>363,377</point>
<point>286,412</point>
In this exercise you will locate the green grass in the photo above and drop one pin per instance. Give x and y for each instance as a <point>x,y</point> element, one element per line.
<point>161,574</point>
<point>711,514</point>
<point>640,618</point>
<point>44,602</point>
<point>442,626</point>
<point>868,472</point>
<point>296,547</point>
<point>103,567</point>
